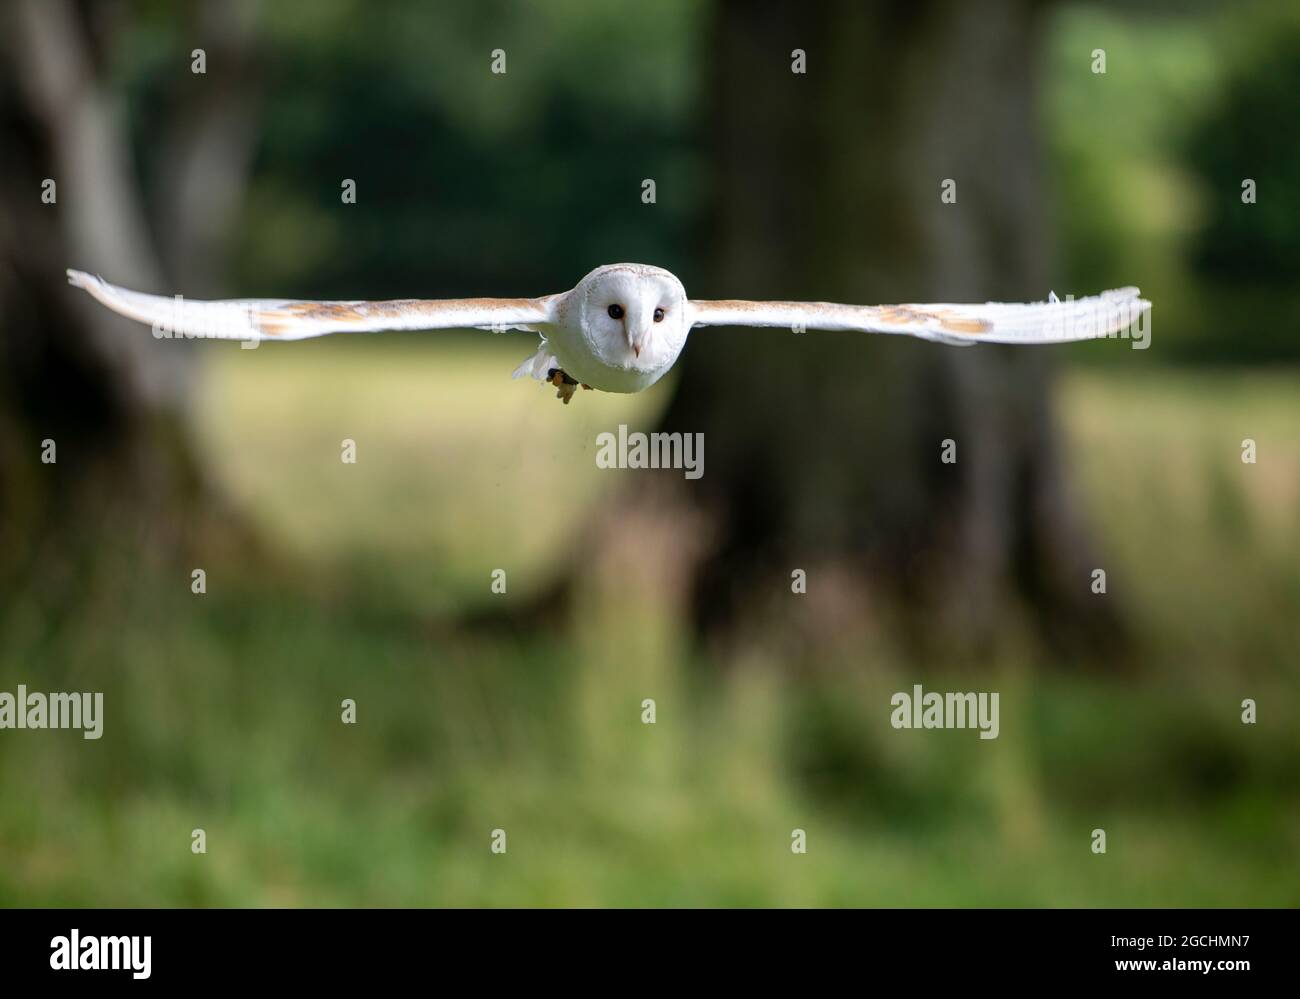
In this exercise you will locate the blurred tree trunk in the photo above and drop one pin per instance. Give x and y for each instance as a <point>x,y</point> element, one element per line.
<point>111,398</point>
<point>823,449</point>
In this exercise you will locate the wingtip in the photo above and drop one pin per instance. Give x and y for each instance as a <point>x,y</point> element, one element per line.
<point>80,279</point>
<point>1123,294</point>
<point>1131,297</point>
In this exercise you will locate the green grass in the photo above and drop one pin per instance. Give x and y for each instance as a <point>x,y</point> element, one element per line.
<point>223,710</point>
<point>459,469</point>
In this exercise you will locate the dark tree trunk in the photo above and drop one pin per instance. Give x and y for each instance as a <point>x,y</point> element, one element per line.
<point>823,449</point>
<point>112,400</point>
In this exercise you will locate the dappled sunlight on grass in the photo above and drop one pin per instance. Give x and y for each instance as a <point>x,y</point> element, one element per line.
<point>1205,547</point>
<point>459,469</point>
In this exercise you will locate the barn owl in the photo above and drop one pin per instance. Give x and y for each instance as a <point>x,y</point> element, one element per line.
<point>623,326</point>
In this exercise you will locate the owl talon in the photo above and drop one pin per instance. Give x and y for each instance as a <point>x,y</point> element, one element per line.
<point>566,385</point>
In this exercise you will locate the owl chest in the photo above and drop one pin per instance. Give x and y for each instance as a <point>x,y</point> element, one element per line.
<point>581,359</point>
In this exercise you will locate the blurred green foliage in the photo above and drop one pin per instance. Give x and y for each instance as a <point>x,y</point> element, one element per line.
<point>1149,161</point>
<point>1247,256</point>
<point>471,183</point>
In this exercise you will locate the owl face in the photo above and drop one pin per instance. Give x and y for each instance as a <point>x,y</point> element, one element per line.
<point>633,316</point>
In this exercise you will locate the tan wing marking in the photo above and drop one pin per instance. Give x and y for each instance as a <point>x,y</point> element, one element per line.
<point>274,322</point>
<point>897,315</point>
<point>905,315</point>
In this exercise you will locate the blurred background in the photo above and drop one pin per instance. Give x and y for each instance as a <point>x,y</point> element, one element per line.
<point>523,711</point>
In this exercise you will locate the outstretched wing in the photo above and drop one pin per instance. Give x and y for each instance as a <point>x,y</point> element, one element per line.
<point>1053,321</point>
<point>275,319</point>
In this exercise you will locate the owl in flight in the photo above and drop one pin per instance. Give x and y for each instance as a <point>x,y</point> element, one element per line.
<point>623,326</point>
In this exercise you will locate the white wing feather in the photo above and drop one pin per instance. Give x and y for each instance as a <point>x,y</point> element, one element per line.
<point>1055,321</point>
<point>288,319</point>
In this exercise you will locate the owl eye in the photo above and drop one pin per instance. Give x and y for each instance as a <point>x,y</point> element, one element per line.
<point>615,312</point>
<point>659,315</point>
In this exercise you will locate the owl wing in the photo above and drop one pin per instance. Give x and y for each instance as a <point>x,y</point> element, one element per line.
<point>1053,321</point>
<point>287,319</point>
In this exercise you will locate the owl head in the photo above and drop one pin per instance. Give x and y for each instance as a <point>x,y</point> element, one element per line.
<point>633,315</point>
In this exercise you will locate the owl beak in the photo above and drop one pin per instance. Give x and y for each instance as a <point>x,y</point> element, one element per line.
<point>636,340</point>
